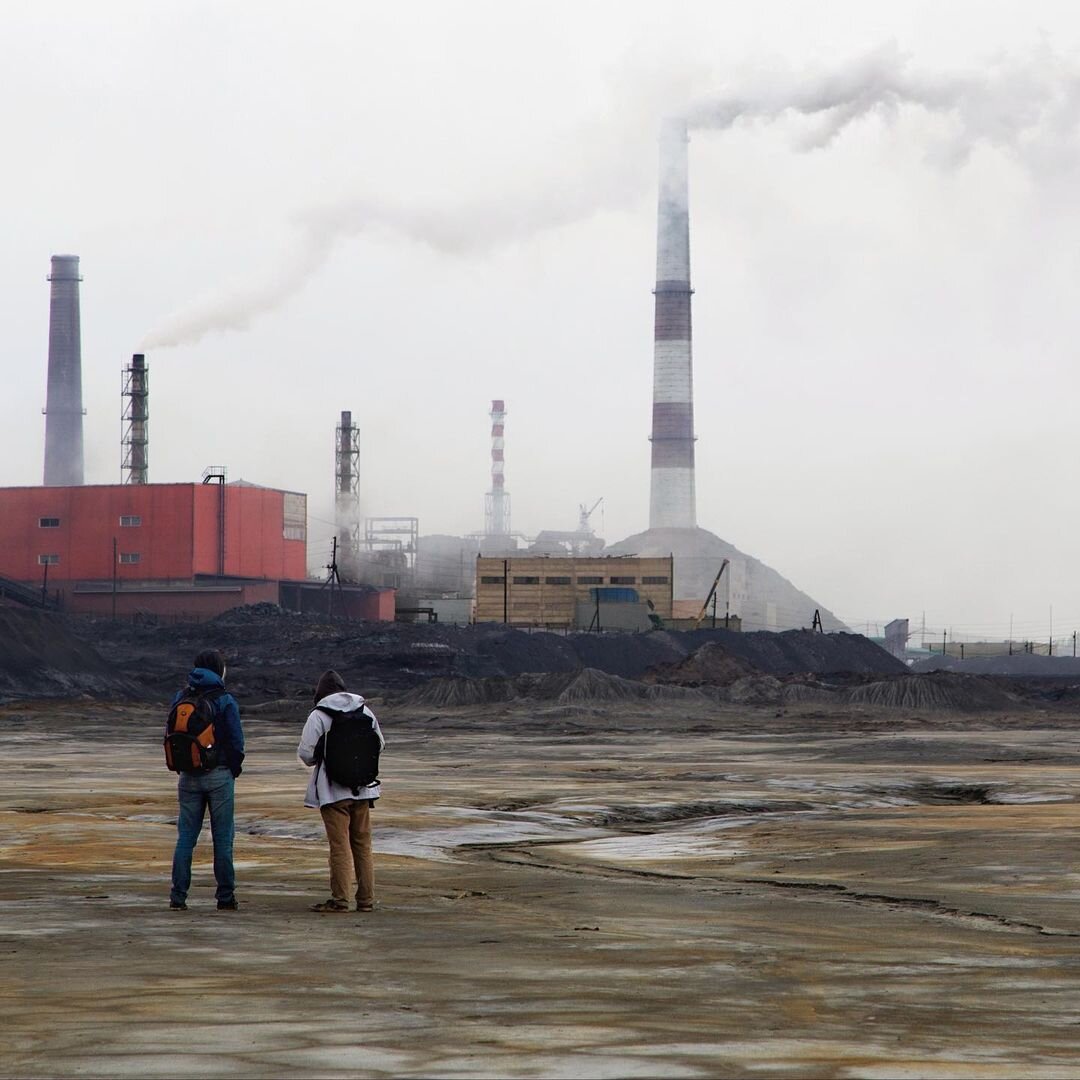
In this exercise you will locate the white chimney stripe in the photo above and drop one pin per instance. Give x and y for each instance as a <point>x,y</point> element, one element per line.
<point>673,379</point>
<point>672,501</point>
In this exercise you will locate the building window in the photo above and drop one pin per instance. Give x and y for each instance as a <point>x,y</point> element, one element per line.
<point>557,581</point>
<point>492,581</point>
<point>590,580</point>
<point>130,521</point>
<point>526,581</point>
<point>48,560</point>
<point>294,511</point>
<point>622,581</point>
<point>655,581</point>
<point>48,523</point>
<point>129,557</point>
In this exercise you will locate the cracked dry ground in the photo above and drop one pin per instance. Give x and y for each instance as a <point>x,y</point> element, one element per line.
<point>564,892</point>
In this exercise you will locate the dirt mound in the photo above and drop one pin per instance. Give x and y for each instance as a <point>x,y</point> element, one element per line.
<point>593,685</point>
<point>796,651</point>
<point>936,691</point>
<point>576,688</point>
<point>800,693</point>
<point>41,657</point>
<point>710,665</point>
<point>756,690</point>
<point>724,657</point>
<point>249,613</point>
<point>452,692</point>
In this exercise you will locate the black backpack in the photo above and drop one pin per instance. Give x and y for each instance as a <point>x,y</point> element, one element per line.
<point>350,748</point>
<point>190,739</point>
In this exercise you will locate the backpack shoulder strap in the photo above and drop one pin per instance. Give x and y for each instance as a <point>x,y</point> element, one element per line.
<point>211,696</point>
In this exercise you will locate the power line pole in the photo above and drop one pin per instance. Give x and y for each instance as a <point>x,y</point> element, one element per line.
<point>333,578</point>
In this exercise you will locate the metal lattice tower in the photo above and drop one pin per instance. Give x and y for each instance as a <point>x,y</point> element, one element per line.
<point>135,443</point>
<point>497,502</point>
<point>347,483</point>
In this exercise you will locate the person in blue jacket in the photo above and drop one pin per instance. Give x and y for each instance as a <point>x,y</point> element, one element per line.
<point>213,789</point>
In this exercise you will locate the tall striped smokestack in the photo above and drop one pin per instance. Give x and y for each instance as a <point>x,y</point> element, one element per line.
<point>672,502</point>
<point>497,521</point>
<point>63,405</point>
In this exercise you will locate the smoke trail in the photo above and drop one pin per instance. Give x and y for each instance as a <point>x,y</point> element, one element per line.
<point>1014,105</point>
<point>1028,108</point>
<point>611,166</point>
<point>237,309</point>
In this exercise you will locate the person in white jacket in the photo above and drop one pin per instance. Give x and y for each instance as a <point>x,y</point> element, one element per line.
<point>346,813</point>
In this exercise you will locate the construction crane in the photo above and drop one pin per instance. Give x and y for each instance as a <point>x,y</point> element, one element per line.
<point>584,515</point>
<point>712,593</point>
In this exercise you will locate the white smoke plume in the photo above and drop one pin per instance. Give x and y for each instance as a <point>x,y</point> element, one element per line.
<point>1013,104</point>
<point>1028,108</point>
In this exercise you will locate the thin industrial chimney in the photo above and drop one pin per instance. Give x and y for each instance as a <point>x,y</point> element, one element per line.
<point>497,517</point>
<point>63,405</point>
<point>135,445</point>
<point>672,503</point>
<point>347,484</point>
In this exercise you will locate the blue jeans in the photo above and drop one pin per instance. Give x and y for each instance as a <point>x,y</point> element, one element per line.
<point>197,791</point>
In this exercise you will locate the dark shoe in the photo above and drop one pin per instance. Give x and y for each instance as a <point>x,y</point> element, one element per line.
<point>177,905</point>
<point>364,907</point>
<point>228,905</point>
<point>331,905</point>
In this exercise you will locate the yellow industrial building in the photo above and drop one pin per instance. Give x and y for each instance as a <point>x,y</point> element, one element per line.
<point>566,592</point>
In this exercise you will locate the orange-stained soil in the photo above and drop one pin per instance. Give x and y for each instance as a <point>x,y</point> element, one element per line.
<point>599,891</point>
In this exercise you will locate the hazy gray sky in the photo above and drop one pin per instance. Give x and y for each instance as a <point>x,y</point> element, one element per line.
<point>451,202</point>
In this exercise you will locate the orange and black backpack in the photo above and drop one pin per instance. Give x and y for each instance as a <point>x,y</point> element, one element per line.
<point>190,740</point>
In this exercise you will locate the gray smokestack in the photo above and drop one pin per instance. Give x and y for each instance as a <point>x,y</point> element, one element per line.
<point>63,406</point>
<point>672,503</point>
<point>135,463</point>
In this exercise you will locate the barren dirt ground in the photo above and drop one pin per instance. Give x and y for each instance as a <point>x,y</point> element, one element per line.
<point>571,892</point>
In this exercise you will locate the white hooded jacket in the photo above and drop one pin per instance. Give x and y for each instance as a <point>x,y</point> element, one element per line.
<point>321,790</point>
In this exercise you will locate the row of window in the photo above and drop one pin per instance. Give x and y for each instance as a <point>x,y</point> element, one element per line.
<point>583,579</point>
<point>126,557</point>
<point>132,521</point>
<point>127,521</point>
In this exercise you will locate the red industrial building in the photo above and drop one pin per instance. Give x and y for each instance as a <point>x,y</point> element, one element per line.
<point>167,549</point>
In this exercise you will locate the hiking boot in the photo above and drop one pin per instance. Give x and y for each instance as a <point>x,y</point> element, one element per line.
<point>177,905</point>
<point>228,905</point>
<point>331,905</point>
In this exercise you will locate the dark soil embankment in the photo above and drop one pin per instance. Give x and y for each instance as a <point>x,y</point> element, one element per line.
<point>275,654</point>
<point>741,682</point>
<point>41,657</point>
<point>1020,664</point>
<point>726,657</point>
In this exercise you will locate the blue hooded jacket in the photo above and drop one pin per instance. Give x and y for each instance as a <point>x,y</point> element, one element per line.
<point>230,735</point>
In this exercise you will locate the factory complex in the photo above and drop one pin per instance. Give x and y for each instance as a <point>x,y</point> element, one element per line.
<point>195,549</point>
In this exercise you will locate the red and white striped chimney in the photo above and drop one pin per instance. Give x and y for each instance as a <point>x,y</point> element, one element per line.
<point>672,503</point>
<point>498,500</point>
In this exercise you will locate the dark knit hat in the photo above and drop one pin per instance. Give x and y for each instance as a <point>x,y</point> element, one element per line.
<point>330,682</point>
<point>212,660</point>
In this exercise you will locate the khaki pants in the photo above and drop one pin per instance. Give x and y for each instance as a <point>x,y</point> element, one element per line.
<point>348,828</point>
